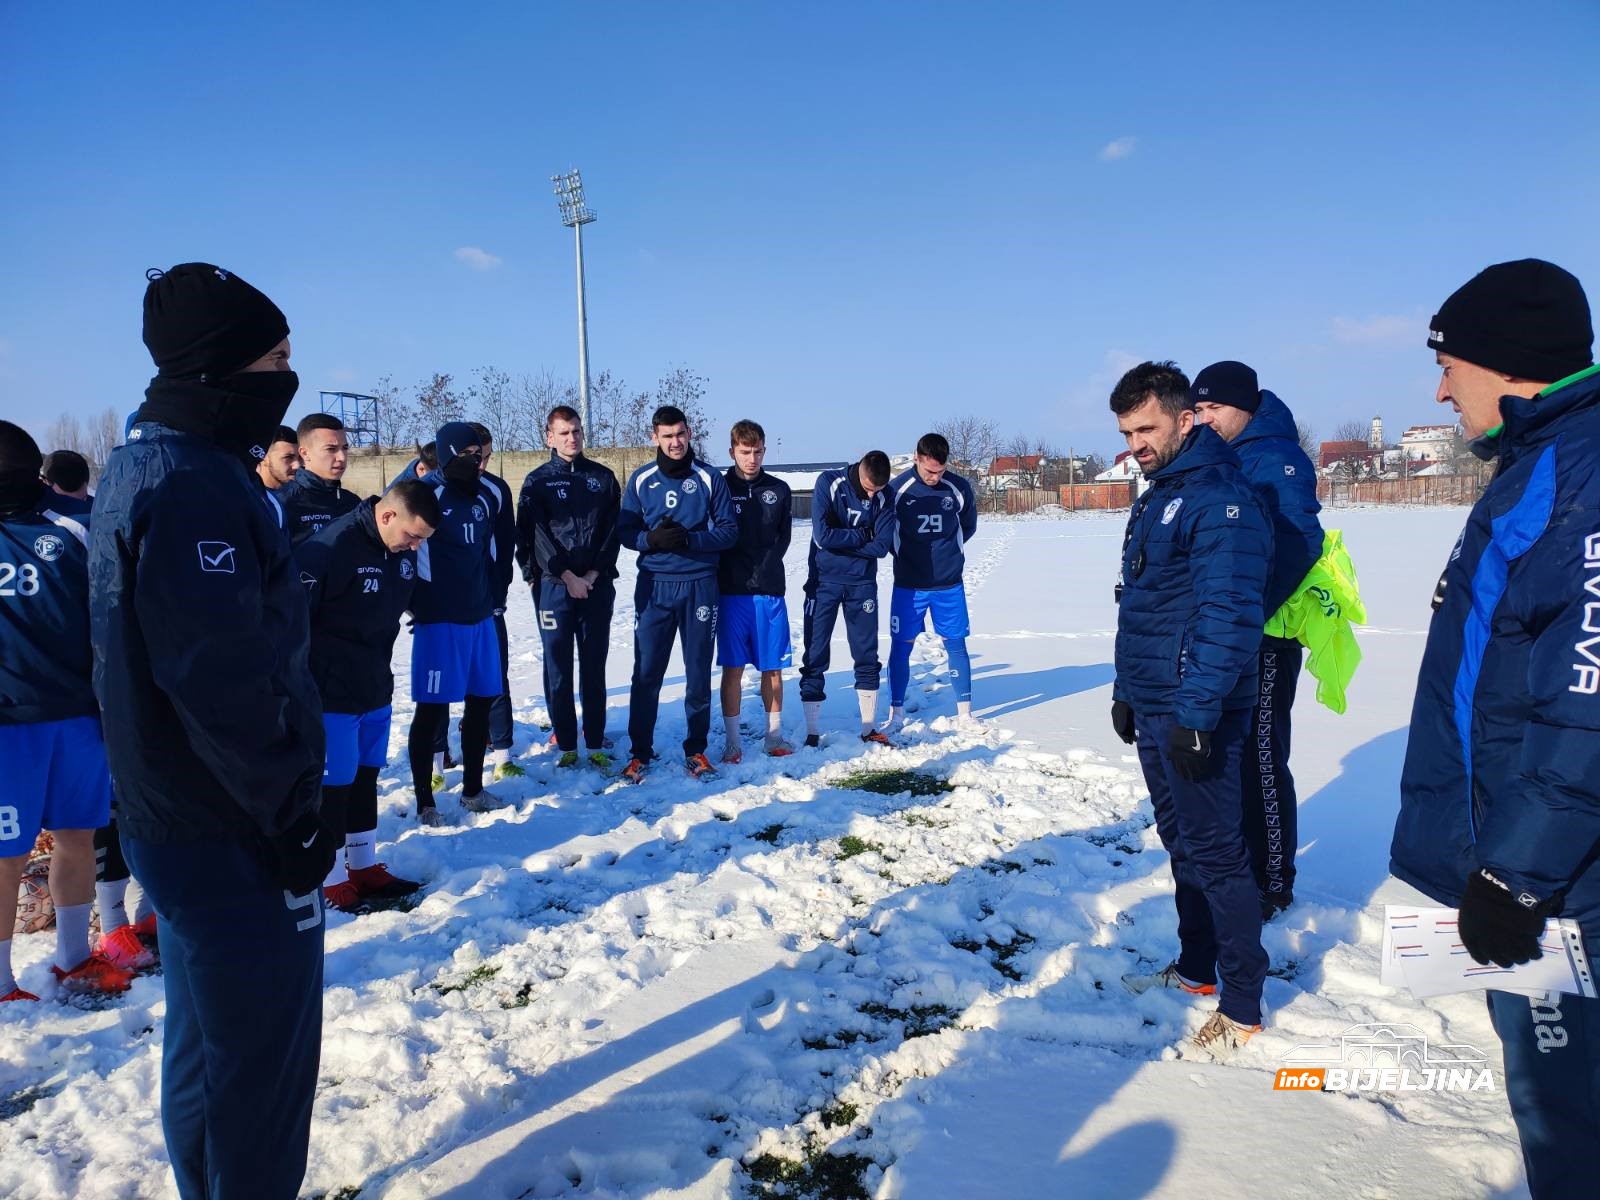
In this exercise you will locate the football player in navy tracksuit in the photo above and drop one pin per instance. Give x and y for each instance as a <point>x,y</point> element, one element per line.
<point>935,514</point>
<point>1500,793</point>
<point>455,655</point>
<point>1261,431</point>
<point>55,773</point>
<point>677,515</point>
<point>1194,568</point>
<point>282,459</point>
<point>852,527</point>
<point>501,727</point>
<point>753,617</point>
<point>567,547</point>
<point>315,497</point>
<point>214,734</point>
<point>359,574</point>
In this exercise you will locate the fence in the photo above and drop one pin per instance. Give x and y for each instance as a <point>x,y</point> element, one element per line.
<point>1080,497</point>
<point>1428,490</point>
<point>369,474</point>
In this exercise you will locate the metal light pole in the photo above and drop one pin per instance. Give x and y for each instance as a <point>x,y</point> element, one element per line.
<point>575,214</point>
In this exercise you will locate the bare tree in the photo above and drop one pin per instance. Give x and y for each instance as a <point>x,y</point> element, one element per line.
<point>101,436</point>
<point>532,398</point>
<point>1026,472</point>
<point>685,389</point>
<point>1352,431</point>
<point>396,416</point>
<point>1308,439</point>
<point>437,403</point>
<point>64,433</point>
<point>972,440</point>
<point>617,417</point>
<point>493,406</point>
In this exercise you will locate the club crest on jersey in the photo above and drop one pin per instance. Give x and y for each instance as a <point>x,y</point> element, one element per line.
<point>769,496</point>
<point>477,512</point>
<point>690,487</point>
<point>591,482</point>
<point>703,613</point>
<point>406,569</point>
<point>869,606</point>
<point>946,503</point>
<point>49,547</point>
<point>1171,511</point>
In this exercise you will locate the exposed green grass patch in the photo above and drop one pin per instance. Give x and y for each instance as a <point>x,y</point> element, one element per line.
<point>819,1176</point>
<point>850,846</point>
<point>769,834</point>
<point>895,783</point>
<point>920,1019</point>
<point>479,974</point>
<point>841,1112</point>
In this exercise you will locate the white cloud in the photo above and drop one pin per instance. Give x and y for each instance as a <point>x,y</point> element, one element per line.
<point>1383,328</point>
<point>476,258</point>
<point>1120,148</point>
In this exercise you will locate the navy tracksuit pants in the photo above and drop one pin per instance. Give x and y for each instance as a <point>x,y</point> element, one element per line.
<point>1219,910</point>
<point>1552,1054</point>
<point>664,609</point>
<point>586,624</point>
<point>1271,810</point>
<point>242,964</point>
<point>823,603</point>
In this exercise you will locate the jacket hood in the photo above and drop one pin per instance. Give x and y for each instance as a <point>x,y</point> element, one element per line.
<point>1529,422</point>
<point>1203,447</point>
<point>310,479</point>
<point>1272,420</point>
<point>452,439</point>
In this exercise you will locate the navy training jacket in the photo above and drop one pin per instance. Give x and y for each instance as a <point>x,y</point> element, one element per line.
<point>764,510</point>
<point>310,502</point>
<point>458,571</point>
<point>505,542</point>
<point>1194,569</point>
<point>1502,768</point>
<point>1286,484</point>
<point>932,526</point>
<point>212,721</point>
<point>698,501</point>
<point>849,532</point>
<point>567,520</point>
<point>46,667</point>
<point>357,589</point>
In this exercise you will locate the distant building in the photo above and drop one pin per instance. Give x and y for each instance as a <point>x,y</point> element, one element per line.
<point>1354,455</point>
<point>1123,468</point>
<point>1014,471</point>
<point>1429,443</point>
<point>1375,438</point>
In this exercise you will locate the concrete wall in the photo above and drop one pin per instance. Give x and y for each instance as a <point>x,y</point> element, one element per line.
<point>369,474</point>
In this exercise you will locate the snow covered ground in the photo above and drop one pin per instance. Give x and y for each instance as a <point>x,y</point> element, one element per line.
<point>787,983</point>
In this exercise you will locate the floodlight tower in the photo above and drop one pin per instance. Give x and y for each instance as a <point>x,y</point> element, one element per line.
<point>575,214</point>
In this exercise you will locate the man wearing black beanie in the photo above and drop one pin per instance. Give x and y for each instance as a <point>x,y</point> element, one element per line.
<point>1500,794</point>
<point>214,733</point>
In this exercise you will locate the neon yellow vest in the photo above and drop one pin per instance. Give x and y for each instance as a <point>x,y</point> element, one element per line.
<point>1319,616</point>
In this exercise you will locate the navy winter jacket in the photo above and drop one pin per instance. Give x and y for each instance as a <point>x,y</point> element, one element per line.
<point>849,531</point>
<point>698,500</point>
<point>212,721</point>
<point>1503,766</point>
<point>764,510</point>
<point>458,567</point>
<point>567,520</point>
<point>932,526</point>
<point>45,662</point>
<point>1286,483</point>
<point>357,590</point>
<point>505,541</point>
<point>1194,567</point>
<point>309,502</point>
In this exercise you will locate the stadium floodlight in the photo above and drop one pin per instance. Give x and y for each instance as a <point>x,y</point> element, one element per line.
<point>575,214</point>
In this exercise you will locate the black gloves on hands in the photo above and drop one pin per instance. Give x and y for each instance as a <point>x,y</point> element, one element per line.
<point>668,535</point>
<point>303,854</point>
<point>1190,752</point>
<point>1122,720</point>
<point>1495,926</point>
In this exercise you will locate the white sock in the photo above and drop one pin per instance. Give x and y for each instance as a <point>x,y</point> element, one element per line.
<point>72,934</point>
<point>730,732</point>
<point>336,873</point>
<point>897,716</point>
<point>964,709</point>
<point>868,703</point>
<point>774,723</point>
<point>142,907</point>
<point>361,849</point>
<point>112,901</point>
<point>499,758</point>
<point>8,981</point>
<point>813,717</point>
<point>438,763</point>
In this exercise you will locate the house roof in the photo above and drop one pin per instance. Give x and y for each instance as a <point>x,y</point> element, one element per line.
<point>1342,451</point>
<point>1015,462</point>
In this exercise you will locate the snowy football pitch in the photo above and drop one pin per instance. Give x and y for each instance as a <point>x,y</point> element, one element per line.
<point>890,973</point>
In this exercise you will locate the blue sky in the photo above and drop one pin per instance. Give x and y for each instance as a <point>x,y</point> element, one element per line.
<point>855,219</point>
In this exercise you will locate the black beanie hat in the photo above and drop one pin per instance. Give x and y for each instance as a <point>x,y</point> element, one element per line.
<point>1528,319</point>
<point>203,322</point>
<point>20,464</point>
<point>1227,382</point>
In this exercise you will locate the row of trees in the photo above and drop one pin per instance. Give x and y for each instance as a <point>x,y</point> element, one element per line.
<point>975,442</point>
<point>514,407</point>
<point>93,437</point>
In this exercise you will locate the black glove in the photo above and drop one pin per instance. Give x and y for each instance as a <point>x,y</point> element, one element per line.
<point>303,854</point>
<point>1497,927</point>
<point>1122,720</point>
<point>1190,752</point>
<point>668,535</point>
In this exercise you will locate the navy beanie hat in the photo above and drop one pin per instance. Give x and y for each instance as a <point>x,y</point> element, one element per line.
<point>1228,382</point>
<point>202,322</point>
<point>1528,319</point>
